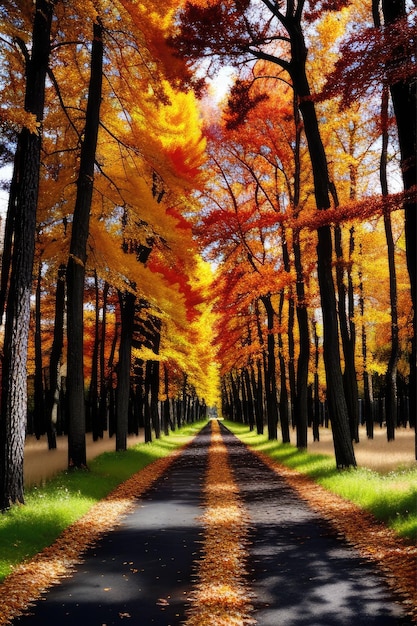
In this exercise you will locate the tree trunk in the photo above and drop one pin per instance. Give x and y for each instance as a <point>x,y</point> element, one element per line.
<point>404,99</point>
<point>283,399</point>
<point>270,372</point>
<point>348,335</point>
<point>7,248</point>
<point>103,382</point>
<point>152,371</point>
<point>391,373</point>
<point>52,397</point>
<point>78,258</point>
<point>39,397</point>
<point>344,453</point>
<point>249,397</point>
<point>14,371</point>
<point>316,409</point>
<point>127,311</point>
<point>93,392</point>
<point>300,404</point>
<point>257,394</point>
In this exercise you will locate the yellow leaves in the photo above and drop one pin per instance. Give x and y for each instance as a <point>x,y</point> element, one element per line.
<point>19,118</point>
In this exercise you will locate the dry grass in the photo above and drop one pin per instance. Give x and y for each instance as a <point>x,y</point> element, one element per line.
<point>40,464</point>
<point>377,454</point>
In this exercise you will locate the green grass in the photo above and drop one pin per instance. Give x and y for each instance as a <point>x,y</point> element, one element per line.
<point>391,498</point>
<point>49,509</point>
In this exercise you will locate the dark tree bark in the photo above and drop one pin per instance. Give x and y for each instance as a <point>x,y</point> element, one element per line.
<point>103,382</point>
<point>270,372</point>
<point>93,392</point>
<point>316,408</point>
<point>167,414</point>
<point>77,260</point>
<point>391,373</point>
<point>257,394</point>
<point>344,453</point>
<point>152,374</point>
<point>348,335</point>
<point>249,397</point>
<point>283,398</point>
<point>6,256</point>
<point>52,396</point>
<point>14,374</point>
<point>404,99</point>
<point>127,312</point>
<point>39,397</point>
<point>300,404</point>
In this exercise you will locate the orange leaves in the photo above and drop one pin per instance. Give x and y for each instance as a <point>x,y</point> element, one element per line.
<point>221,596</point>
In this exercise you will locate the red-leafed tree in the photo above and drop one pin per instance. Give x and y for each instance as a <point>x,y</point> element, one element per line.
<point>240,33</point>
<point>373,58</point>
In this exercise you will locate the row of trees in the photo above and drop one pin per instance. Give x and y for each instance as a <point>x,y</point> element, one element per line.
<point>114,181</point>
<point>106,153</point>
<point>296,215</point>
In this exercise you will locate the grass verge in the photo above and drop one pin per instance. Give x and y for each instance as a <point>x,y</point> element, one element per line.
<point>391,498</point>
<point>26,530</point>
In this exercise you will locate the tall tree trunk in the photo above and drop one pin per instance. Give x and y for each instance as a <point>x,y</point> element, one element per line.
<point>78,258</point>
<point>344,453</point>
<point>391,373</point>
<point>52,397</point>
<point>152,371</point>
<point>168,421</point>
<point>39,397</point>
<point>127,312</point>
<point>404,99</point>
<point>316,409</point>
<point>300,396</point>
<point>347,332</point>
<point>300,404</point>
<point>283,399</point>
<point>103,382</point>
<point>257,395</point>
<point>14,372</point>
<point>93,392</point>
<point>7,250</point>
<point>270,371</point>
<point>249,397</point>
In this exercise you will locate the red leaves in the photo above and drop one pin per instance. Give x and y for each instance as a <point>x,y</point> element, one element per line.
<point>318,8</point>
<point>241,103</point>
<point>212,30</point>
<point>373,57</point>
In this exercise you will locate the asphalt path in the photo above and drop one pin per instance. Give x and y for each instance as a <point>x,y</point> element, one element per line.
<point>300,572</point>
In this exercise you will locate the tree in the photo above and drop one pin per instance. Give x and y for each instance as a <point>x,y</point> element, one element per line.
<point>239,33</point>
<point>383,55</point>
<point>14,391</point>
<point>404,98</point>
<point>75,274</point>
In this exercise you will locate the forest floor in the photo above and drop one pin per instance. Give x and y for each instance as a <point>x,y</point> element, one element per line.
<point>219,537</point>
<point>377,453</point>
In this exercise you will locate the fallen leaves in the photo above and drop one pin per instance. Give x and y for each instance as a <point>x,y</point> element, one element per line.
<point>221,597</point>
<point>374,540</point>
<point>30,580</point>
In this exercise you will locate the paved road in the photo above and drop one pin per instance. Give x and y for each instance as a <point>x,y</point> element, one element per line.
<point>142,572</point>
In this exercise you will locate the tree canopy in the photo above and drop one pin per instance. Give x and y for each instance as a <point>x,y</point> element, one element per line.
<point>251,252</point>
